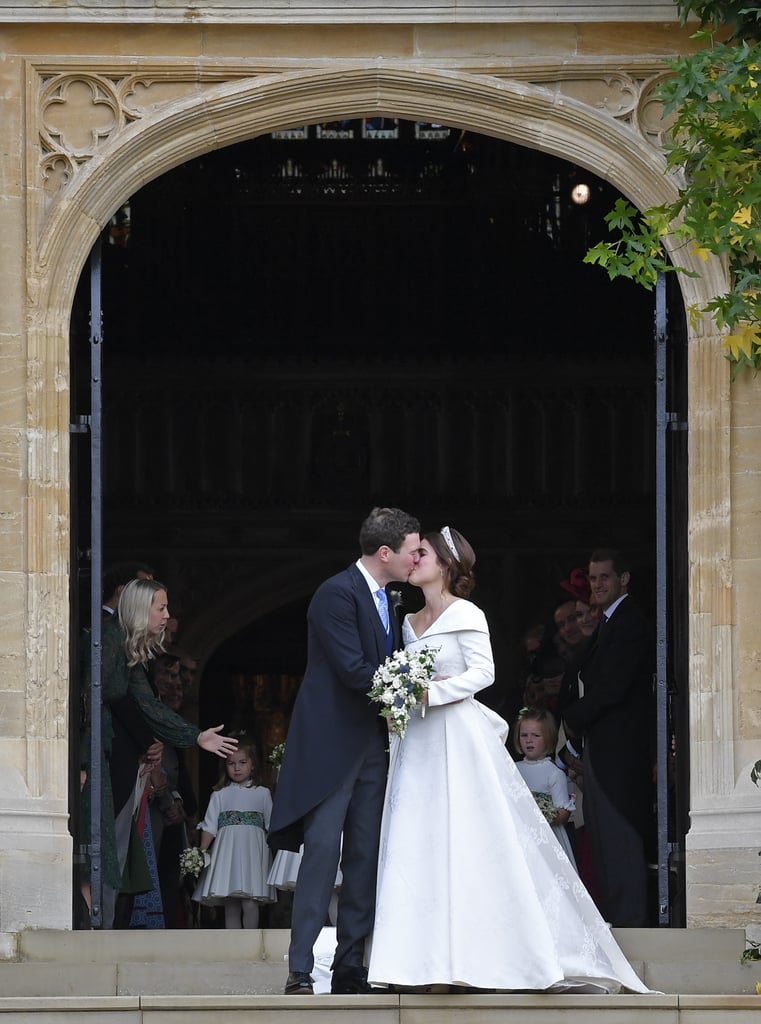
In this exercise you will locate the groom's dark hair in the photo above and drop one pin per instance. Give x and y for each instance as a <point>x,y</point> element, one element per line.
<point>387,526</point>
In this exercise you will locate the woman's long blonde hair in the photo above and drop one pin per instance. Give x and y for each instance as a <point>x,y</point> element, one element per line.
<point>134,611</point>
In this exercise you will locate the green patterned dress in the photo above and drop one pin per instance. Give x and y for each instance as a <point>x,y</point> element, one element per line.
<point>118,680</point>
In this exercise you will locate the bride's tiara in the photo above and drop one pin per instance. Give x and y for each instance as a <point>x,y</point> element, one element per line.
<point>446,533</point>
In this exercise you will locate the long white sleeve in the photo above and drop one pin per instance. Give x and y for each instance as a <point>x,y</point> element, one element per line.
<point>469,667</point>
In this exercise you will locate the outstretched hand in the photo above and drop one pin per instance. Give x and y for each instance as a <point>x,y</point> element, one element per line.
<point>222,746</point>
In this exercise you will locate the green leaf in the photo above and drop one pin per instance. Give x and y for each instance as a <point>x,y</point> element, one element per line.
<point>714,96</point>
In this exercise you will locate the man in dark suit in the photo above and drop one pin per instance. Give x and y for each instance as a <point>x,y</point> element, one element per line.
<point>332,779</point>
<point>611,715</point>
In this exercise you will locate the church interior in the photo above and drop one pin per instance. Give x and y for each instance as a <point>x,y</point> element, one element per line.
<point>363,312</point>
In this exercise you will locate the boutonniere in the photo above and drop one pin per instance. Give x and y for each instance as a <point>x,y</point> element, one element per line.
<point>395,597</point>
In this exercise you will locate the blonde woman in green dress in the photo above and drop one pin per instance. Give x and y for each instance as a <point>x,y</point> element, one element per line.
<point>131,639</point>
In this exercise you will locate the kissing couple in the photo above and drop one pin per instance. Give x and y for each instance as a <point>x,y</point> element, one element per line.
<point>451,873</point>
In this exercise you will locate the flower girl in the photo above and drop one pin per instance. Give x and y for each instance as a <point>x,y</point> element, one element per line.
<point>536,735</point>
<point>234,830</point>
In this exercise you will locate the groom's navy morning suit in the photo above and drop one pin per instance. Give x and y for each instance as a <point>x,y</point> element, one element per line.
<point>615,719</point>
<point>333,776</point>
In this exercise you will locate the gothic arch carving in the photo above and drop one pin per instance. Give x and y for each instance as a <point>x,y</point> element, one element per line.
<point>142,149</point>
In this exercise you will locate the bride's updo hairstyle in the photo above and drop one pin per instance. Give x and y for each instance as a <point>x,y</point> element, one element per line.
<point>457,557</point>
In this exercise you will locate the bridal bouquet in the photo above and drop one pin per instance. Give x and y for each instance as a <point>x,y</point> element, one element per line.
<point>399,684</point>
<point>192,861</point>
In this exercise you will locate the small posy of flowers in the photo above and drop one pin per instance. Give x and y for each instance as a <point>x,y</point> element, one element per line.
<point>276,755</point>
<point>545,805</point>
<point>192,862</point>
<point>399,684</point>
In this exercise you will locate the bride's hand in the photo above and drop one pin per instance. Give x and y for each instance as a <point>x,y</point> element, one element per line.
<point>435,679</point>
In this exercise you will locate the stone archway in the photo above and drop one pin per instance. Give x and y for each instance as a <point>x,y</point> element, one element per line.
<point>527,115</point>
<point>69,220</point>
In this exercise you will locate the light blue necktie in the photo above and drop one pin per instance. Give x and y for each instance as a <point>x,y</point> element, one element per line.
<point>383,608</point>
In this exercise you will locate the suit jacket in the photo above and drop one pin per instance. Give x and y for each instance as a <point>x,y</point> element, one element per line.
<point>333,721</point>
<point>615,715</point>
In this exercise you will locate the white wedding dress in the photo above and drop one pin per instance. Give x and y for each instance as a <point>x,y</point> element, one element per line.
<point>473,887</point>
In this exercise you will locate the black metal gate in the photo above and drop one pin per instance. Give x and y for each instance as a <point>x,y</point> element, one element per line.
<point>86,644</point>
<point>672,778</point>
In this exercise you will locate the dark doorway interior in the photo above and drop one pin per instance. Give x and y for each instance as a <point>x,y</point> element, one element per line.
<point>297,329</point>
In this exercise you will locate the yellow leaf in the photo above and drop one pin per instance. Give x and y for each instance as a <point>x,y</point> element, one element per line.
<point>703,253</point>
<point>742,216</point>
<point>695,313</point>
<point>743,340</point>
<point>758,988</point>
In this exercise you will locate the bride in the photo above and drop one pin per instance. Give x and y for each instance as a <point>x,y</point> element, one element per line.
<point>473,888</point>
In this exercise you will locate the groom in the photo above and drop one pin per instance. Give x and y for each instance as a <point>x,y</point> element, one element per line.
<point>333,776</point>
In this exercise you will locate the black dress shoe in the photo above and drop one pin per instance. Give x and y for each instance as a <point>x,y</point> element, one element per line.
<point>299,984</point>
<point>350,981</point>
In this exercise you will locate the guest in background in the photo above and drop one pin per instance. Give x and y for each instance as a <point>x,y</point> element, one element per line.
<point>569,639</point>
<point>129,642</point>
<point>612,717</point>
<point>115,579</point>
<point>588,613</point>
<point>170,820</point>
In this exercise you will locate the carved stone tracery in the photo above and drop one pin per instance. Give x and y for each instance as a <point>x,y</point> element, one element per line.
<point>81,113</point>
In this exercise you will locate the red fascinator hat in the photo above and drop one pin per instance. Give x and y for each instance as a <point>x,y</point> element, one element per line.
<point>577,584</point>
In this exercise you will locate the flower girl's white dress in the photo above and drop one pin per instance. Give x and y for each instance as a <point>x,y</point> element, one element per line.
<point>544,778</point>
<point>473,887</point>
<point>284,872</point>
<point>238,816</point>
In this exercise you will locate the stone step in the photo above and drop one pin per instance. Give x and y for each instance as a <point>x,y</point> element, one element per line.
<point>386,1009</point>
<point>205,978</point>
<point>219,963</point>
<point>638,944</point>
<point>136,979</point>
